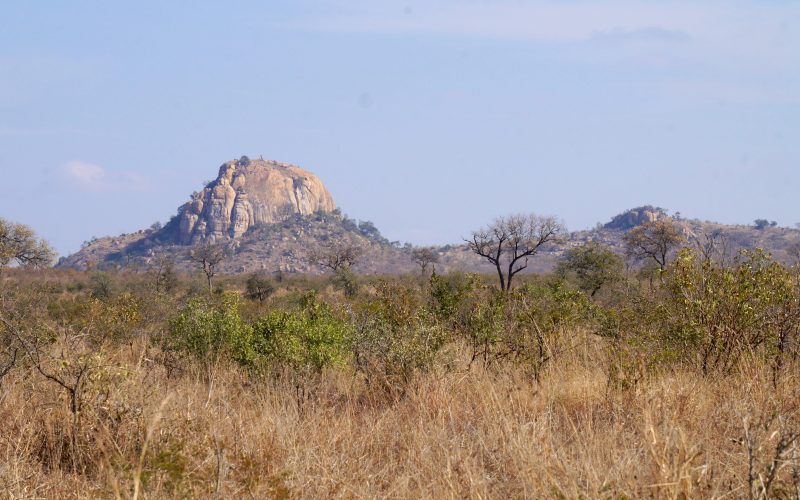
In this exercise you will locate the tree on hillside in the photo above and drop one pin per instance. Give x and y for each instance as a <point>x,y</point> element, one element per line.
<point>208,256</point>
<point>594,265</point>
<point>653,240</point>
<point>764,223</point>
<point>509,242</point>
<point>339,256</point>
<point>336,255</point>
<point>20,245</point>
<point>712,246</point>
<point>424,257</point>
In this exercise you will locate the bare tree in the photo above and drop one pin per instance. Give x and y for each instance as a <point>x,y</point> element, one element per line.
<point>424,257</point>
<point>510,241</point>
<point>163,272</point>
<point>713,246</point>
<point>336,255</point>
<point>19,244</point>
<point>653,240</point>
<point>208,256</point>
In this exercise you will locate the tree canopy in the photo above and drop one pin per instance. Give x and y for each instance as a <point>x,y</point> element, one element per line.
<point>19,245</point>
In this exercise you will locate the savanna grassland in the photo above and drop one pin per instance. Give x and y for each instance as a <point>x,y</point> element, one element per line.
<point>674,383</point>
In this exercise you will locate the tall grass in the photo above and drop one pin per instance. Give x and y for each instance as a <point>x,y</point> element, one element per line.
<point>686,387</point>
<point>478,433</point>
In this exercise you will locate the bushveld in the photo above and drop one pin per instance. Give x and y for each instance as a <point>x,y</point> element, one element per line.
<point>679,383</point>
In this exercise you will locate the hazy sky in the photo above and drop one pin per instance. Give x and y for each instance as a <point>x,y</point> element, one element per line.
<point>427,117</point>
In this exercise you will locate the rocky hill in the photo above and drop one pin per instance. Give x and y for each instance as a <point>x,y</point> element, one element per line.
<point>245,194</point>
<point>272,216</point>
<point>269,215</point>
<point>731,238</point>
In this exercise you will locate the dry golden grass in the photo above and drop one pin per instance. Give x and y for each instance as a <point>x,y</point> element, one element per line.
<point>477,434</point>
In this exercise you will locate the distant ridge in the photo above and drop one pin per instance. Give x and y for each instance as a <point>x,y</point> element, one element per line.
<point>270,214</point>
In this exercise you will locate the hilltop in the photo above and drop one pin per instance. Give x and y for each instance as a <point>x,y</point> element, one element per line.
<point>268,214</point>
<point>271,215</point>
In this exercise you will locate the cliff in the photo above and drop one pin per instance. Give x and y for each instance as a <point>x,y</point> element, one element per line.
<point>247,193</point>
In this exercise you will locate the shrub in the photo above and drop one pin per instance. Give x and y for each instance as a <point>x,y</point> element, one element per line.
<point>449,294</point>
<point>395,336</point>
<point>722,313</point>
<point>308,340</point>
<point>209,330</point>
<point>593,266</point>
<point>525,324</point>
<point>259,287</point>
<point>346,280</point>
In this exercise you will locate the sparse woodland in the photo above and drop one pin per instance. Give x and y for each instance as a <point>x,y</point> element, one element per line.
<point>599,380</point>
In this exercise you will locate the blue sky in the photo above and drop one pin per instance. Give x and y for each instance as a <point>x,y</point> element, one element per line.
<point>427,117</point>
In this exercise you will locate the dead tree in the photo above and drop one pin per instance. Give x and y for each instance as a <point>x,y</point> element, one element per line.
<point>208,256</point>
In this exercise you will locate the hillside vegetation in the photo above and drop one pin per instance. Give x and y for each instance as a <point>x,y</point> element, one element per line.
<point>677,383</point>
<point>285,246</point>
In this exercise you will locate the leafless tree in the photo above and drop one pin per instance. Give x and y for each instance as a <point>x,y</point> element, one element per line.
<point>713,246</point>
<point>653,240</point>
<point>208,256</point>
<point>509,242</point>
<point>163,272</point>
<point>336,255</point>
<point>424,257</point>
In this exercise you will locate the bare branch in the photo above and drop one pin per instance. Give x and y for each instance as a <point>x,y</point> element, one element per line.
<point>509,242</point>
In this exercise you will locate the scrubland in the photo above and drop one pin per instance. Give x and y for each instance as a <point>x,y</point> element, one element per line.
<point>682,384</point>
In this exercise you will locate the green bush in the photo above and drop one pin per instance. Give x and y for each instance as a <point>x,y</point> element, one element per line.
<point>525,324</point>
<point>309,339</point>
<point>449,294</point>
<point>259,287</point>
<point>210,330</point>
<point>723,313</point>
<point>710,317</point>
<point>396,336</point>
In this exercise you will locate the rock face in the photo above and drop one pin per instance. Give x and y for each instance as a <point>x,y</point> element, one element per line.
<point>246,193</point>
<point>636,217</point>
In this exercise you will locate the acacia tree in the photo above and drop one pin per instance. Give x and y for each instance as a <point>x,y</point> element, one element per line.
<point>339,256</point>
<point>163,272</point>
<point>208,256</point>
<point>509,242</point>
<point>20,245</point>
<point>336,255</point>
<point>259,287</point>
<point>424,257</point>
<point>653,240</point>
<point>594,265</point>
